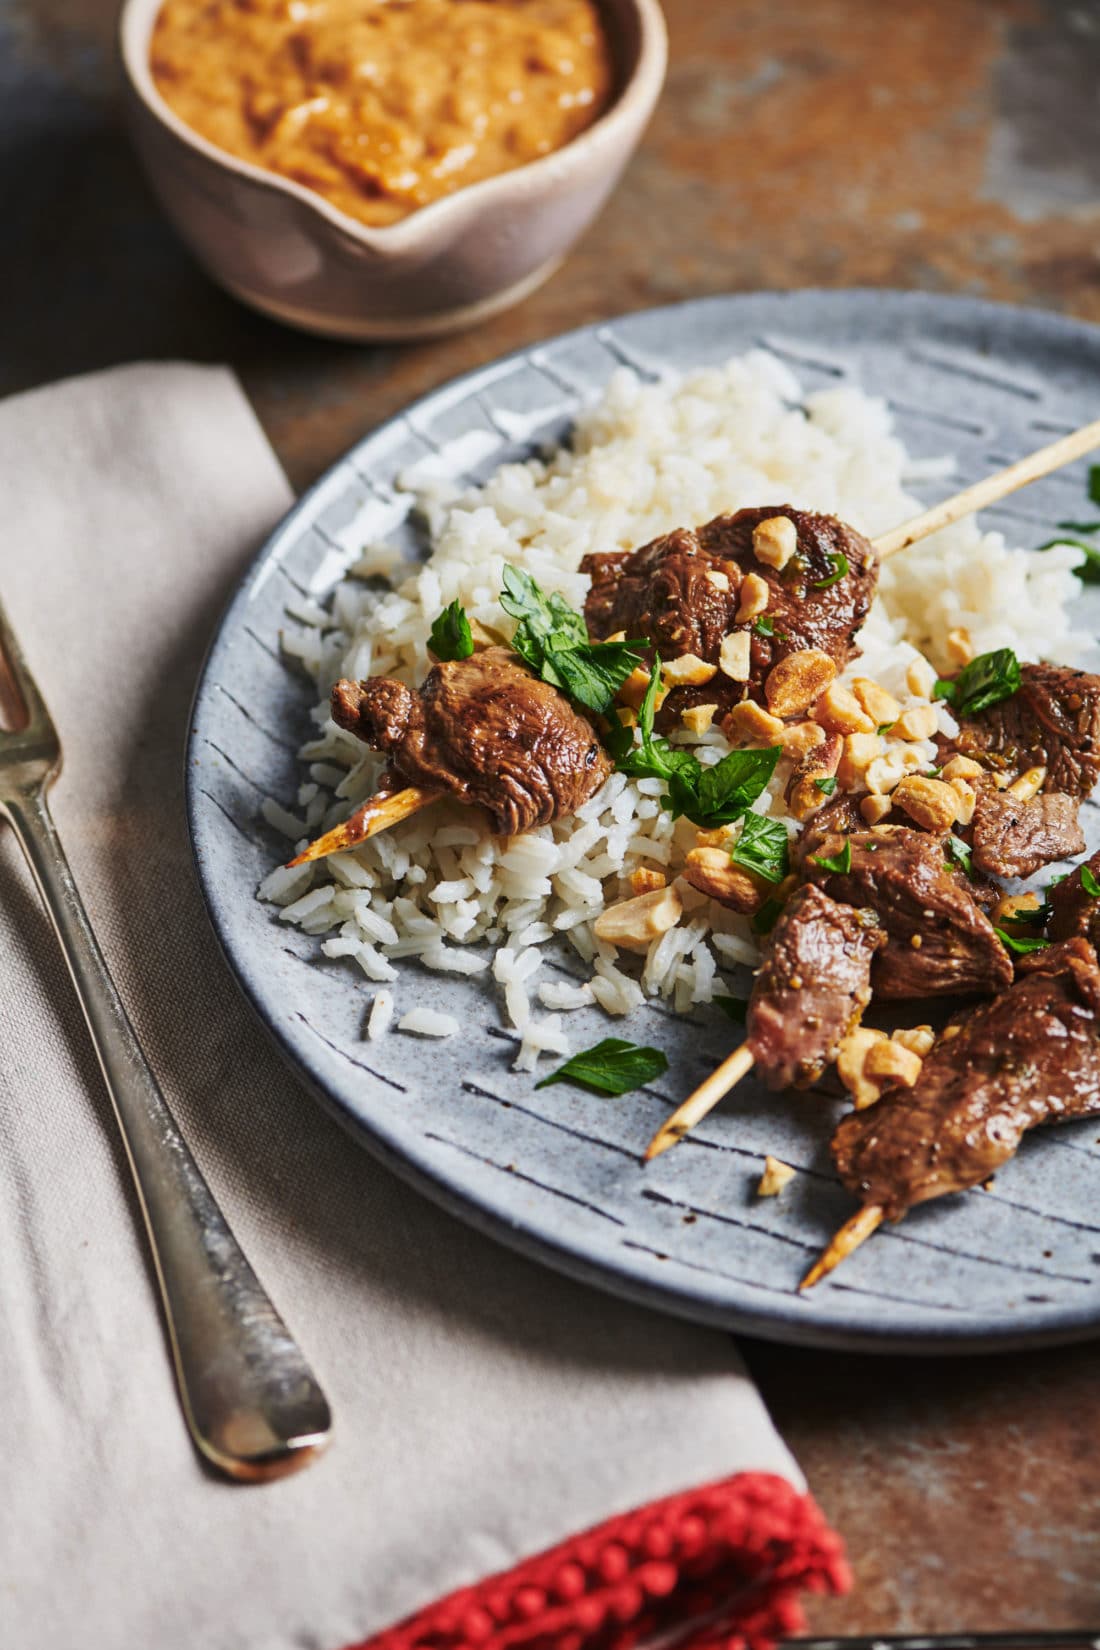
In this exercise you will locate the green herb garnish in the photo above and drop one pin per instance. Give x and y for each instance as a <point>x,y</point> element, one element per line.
<point>1089,570</point>
<point>733,1007</point>
<point>614,1066</point>
<point>764,626</point>
<point>838,565</point>
<point>767,916</point>
<point>553,639</point>
<point>827,786</point>
<point>985,681</point>
<point>958,851</point>
<point>451,636</point>
<point>884,727</point>
<point>1022,946</point>
<point>1094,483</point>
<point>1089,883</point>
<point>763,847</point>
<point>840,863</point>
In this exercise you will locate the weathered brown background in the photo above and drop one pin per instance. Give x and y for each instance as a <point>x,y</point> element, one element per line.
<point>952,145</point>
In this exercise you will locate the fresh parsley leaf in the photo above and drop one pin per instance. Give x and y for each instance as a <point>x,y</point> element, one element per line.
<point>727,791</point>
<point>1089,883</point>
<point>826,786</point>
<point>840,863</point>
<point>733,1007</point>
<point>1094,483</point>
<point>592,673</point>
<point>838,565</point>
<point>763,847</point>
<point>553,639</point>
<point>451,636</point>
<point>959,851</point>
<point>540,616</point>
<point>613,1066</point>
<point>1021,946</point>
<point>985,681</point>
<point>883,727</point>
<point>1054,881</point>
<point>1089,570</point>
<point>767,916</point>
<point>1081,526</point>
<point>764,626</point>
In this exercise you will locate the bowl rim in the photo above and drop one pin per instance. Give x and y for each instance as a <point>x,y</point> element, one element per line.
<point>634,103</point>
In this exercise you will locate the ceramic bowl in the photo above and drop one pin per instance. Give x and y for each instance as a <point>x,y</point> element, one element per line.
<point>286,251</point>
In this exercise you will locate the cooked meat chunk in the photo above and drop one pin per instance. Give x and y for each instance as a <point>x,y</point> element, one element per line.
<point>662,594</point>
<point>1052,721</point>
<point>1013,839</point>
<point>812,988</point>
<point>1073,910</point>
<point>487,731</point>
<point>940,943</point>
<point>838,818</point>
<point>1030,1056</point>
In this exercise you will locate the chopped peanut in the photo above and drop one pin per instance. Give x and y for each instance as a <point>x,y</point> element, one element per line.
<point>687,671</point>
<point>875,808</point>
<point>961,767</point>
<point>633,924</point>
<point>619,636</point>
<point>646,880</point>
<point>633,689</point>
<point>754,598</point>
<point>920,678</point>
<point>918,722</point>
<point>860,750</point>
<point>796,681</point>
<point>720,581</point>
<point>1028,785</point>
<point>851,1060</point>
<point>840,711</point>
<point>960,647</point>
<point>775,541</point>
<point>891,1062</point>
<point>885,772</point>
<point>733,655</point>
<point>798,741</point>
<point>933,805</point>
<point>968,800</point>
<point>698,718</point>
<point>804,794</point>
<point>718,838</point>
<point>628,716</point>
<point>919,1039</point>
<point>880,706</point>
<point>1016,908</point>
<point>776,1175</point>
<point>713,872</point>
<point>750,724</point>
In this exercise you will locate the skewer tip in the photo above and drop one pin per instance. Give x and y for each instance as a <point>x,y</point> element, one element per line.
<point>855,1231</point>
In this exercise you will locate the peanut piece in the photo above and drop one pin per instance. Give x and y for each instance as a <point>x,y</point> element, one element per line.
<point>775,541</point>
<point>687,671</point>
<point>860,750</point>
<point>960,646</point>
<point>646,880</point>
<point>920,1039</point>
<point>1028,785</point>
<point>750,724</point>
<point>888,1063</point>
<point>713,873</point>
<point>961,767</point>
<point>933,805</point>
<point>918,722</point>
<point>840,711</point>
<point>698,718</point>
<point>968,800</point>
<point>920,678</point>
<point>885,772</point>
<point>733,655</point>
<point>875,808</point>
<point>754,598</point>
<point>1015,908</point>
<point>633,689</point>
<point>796,681</point>
<point>776,1175</point>
<point>798,741</point>
<point>880,706</point>
<point>633,924</point>
<point>720,581</point>
<point>851,1060</point>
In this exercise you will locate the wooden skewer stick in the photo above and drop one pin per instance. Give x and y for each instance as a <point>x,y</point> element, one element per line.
<point>983,493</point>
<point>994,487</point>
<point>854,1232</point>
<point>376,814</point>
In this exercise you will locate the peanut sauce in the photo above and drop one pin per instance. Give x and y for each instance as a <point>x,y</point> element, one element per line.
<point>383,106</point>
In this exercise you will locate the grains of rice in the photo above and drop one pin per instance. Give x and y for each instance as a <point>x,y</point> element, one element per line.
<point>428,1022</point>
<point>644,458</point>
<point>381,1016</point>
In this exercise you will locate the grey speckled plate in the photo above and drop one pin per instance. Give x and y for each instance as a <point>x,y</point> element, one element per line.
<point>556,1172</point>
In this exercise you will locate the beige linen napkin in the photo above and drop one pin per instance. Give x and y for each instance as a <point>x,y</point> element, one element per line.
<point>484,1408</point>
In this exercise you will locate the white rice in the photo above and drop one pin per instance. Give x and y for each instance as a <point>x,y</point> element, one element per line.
<point>644,459</point>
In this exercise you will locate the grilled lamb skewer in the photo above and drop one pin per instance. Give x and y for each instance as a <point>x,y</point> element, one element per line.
<point>1031,1056</point>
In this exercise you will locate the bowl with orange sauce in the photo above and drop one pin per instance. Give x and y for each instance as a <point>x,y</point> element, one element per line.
<point>372,169</point>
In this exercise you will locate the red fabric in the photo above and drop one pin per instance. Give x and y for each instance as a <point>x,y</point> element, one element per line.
<point>723,1564</point>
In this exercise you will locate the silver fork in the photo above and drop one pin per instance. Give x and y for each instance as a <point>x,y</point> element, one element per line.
<point>252,1403</point>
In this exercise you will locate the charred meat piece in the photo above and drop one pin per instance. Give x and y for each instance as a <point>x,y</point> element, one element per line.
<point>1052,721</point>
<point>940,943</point>
<point>812,988</point>
<point>1073,910</point>
<point>485,730</point>
<point>1031,1056</point>
<point>1011,838</point>
<point>681,594</point>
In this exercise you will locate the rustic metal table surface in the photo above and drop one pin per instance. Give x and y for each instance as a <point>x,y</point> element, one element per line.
<point>944,144</point>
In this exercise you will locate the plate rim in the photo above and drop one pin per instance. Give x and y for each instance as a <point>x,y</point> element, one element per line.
<point>626,1278</point>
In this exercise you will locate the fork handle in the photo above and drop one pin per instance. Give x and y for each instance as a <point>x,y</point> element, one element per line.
<point>251,1401</point>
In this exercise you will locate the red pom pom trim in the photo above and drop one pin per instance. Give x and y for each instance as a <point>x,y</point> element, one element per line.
<point>718,1568</point>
